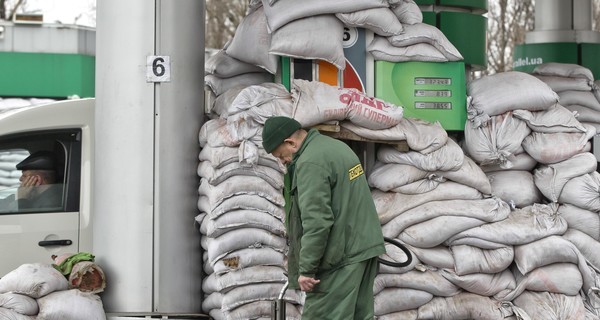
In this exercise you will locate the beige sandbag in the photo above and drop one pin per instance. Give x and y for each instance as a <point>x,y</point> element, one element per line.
<point>464,306</point>
<point>241,239</point>
<point>251,42</point>
<point>270,94</point>
<point>449,157</point>
<point>420,235</point>
<point>586,245</point>
<point>489,210</point>
<point>535,254</point>
<point>468,174</point>
<point>221,85</point>
<point>421,186</point>
<point>420,135</point>
<point>9,314</point>
<point>240,202</point>
<point>551,306</point>
<point>551,179</point>
<point>438,257</point>
<point>583,192</point>
<point>522,226</point>
<point>560,83</point>
<point>391,204</point>
<point>582,220</point>
<point>395,254</point>
<point>381,49</point>
<point>224,66</point>
<point>241,295</point>
<point>569,70</point>
<point>425,33</point>
<point>387,176</point>
<point>515,187</point>
<point>34,280</point>
<point>316,37</point>
<point>209,284</point>
<point>428,280</point>
<point>399,299</point>
<point>259,310</point>
<point>407,11</point>
<point>245,276</point>
<point>506,91</point>
<point>555,147</point>
<point>563,278</point>
<point>238,185</point>
<point>217,176</point>
<point>245,258</point>
<point>18,303</point>
<point>555,119</point>
<point>498,141</point>
<point>212,301</point>
<point>584,114</point>
<point>217,133</point>
<point>381,21</point>
<point>483,284</point>
<point>404,315</point>
<point>238,219</point>
<point>221,156</point>
<point>71,305</point>
<point>519,162</point>
<point>470,259</point>
<point>580,98</point>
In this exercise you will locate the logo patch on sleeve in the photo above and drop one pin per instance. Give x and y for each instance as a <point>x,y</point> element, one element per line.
<point>355,172</point>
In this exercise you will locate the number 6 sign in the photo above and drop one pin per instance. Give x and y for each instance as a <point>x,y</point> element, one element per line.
<point>158,69</point>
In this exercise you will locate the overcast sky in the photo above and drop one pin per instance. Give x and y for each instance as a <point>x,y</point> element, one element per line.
<point>65,11</point>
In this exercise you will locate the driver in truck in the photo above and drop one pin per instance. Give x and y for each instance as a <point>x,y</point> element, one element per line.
<point>38,187</point>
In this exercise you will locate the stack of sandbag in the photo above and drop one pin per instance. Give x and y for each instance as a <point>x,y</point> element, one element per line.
<point>39,291</point>
<point>9,175</point>
<point>515,122</point>
<point>15,103</point>
<point>575,87</point>
<point>241,222</point>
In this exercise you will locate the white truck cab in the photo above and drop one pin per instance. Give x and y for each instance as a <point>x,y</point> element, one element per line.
<point>35,234</point>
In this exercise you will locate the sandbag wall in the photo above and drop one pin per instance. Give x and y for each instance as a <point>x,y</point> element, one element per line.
<point>9,175</point>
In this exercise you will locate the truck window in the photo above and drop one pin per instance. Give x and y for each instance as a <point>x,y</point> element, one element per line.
<point>39,172</point>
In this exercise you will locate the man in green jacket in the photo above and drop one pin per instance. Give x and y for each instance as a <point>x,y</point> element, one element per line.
<point>332,224</point>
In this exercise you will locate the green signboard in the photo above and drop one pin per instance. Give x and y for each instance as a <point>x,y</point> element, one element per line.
<point>528,56</point>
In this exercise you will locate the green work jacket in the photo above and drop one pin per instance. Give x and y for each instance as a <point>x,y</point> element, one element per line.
<point>331,219</point>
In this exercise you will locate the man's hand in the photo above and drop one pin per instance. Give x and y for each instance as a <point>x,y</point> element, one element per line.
<point>307,284</point>
<point>28,186</point>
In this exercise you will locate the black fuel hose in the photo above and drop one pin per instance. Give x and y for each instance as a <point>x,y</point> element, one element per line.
<point>403,248</point>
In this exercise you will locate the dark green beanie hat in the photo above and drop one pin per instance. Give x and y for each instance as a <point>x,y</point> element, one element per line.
<point>276,130</point>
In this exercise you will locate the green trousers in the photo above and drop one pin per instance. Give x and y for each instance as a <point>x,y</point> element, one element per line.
<point>345,294</point>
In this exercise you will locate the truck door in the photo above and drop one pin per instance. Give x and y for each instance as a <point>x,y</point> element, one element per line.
<point>41,220</point>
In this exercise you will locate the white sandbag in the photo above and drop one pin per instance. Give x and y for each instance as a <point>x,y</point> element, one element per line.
<point>428,281</point>
<point>496,142</point>
<point>506,91</point>
<point>555,119</point>
<point>71,305</point>
<point>551,306</point>
<point>583,192</point>
<point>387,176</point>
<point>559,83</point>
<point>580,98</point>
<point>316,37</point>
<point>582,220</point>
<point>212,301</point>
<point>242,239</point>
<point>483,284</point>
<point>420,135</point>
<point>34,280</point>
<point>438,257</point>
<point>395,254</point>
<point>404,315</point>
<point>247,157</point>
<point>257,292</point>
<point>515,187</point>
<point>249,257</point>
<point>488,210</point>
<point>407,11</point>
<point>237,172</point>
<point>216,133</point>
<point>563,278</point>
<point>391,204</point>
<point>586,245</point>
<point>420,235</point>
<point>449,157</point>
<point>381,21</point>
<point>238,219</point>
<point>240,202</point>
<point>468,174</point>
<point>521,161</point>
<point>537,254</point>
<point>251,42</point>
<point>209,284</point>
<point>282,12</point>
<point>584,114</point>
<point>551,179</point>
<point>317,102</point>
<point>221,85</point>
<point>260,309</point>
<point>555,147</point>
<point>256,274</point>
<point>216,314</point>
<point>470,259</point>
<point>240,185</point>
<point>206,266</point>
<point>464,306</point>
<point>569,70</point>
<point>222,102</point>
<point>421,186</point>
<point>19,303</point>
<point>224,66</point>
<point>381,49</point>
<point>522,226</point>
<point>399,299</point>
<point>9,314</point>
<point>425,33</point>
<point>260,102</point>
